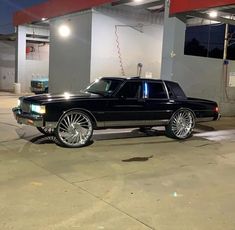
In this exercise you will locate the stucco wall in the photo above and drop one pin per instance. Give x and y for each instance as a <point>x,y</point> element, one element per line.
<point>206,78</point>
<point>199,76</point>
<point>70,57</point>
<point>138,45</point>
<point>7,65</point>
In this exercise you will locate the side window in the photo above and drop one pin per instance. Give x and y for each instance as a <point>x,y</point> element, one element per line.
<point>130,90</point>
<point>156,90</point>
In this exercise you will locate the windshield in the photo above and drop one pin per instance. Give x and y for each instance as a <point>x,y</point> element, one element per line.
<point>103,86</point>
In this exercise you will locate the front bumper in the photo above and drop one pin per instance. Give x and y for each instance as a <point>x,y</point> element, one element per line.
<point>38,90</point>
<point>27,119</point>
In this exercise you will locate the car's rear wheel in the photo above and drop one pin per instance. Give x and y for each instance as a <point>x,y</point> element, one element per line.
<point>74,129</point>
<point>181,124</point>
<point>46,131</point>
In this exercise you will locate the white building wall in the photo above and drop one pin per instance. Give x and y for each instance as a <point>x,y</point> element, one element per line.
<point>7,65</point>
<point>136,47</point>
<point>70,57</point>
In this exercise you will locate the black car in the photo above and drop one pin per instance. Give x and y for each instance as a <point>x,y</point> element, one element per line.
<point>115,103</point>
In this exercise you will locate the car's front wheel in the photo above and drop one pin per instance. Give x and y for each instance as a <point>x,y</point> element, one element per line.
<point>74,129</point>
<point>181,124</point>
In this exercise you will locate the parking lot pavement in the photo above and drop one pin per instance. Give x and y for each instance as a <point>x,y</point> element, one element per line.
<point>123,180</point>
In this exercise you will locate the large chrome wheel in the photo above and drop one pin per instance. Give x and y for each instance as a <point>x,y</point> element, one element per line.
<point>46,131</point>
<point>74,129</point>
<point>181,124</point>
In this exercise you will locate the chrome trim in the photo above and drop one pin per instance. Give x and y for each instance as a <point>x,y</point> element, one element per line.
<point>131,123</point>
<point>51,125</point>
<point>25,107</point>
<point>204,119</point>
<point>27,119</point>
<point>100,124</point>
<point>219,116</point>
<point>34,89</point>
<point>168,96</point>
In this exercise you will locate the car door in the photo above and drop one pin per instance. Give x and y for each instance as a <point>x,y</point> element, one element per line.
<point>158,106</point>
<point>126,108</point>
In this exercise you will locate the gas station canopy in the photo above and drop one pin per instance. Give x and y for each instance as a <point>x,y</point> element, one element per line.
<point>55,8</point>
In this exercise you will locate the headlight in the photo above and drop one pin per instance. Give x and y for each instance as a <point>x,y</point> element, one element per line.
<point>18,102</point>
<point>41,109</point>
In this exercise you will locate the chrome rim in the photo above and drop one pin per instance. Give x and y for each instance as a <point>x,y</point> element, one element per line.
<point>48,130</point>
<point>183,124</point>
<point>75,129</point>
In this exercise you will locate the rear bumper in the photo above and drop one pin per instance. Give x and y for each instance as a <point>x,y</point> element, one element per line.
<point>218,117</point>
<point>206,119</point>
<point>28,119</point>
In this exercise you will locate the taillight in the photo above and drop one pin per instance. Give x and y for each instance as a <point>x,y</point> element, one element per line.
<point>216,109</point>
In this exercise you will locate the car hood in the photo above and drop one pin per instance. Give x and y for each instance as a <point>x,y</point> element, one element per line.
<point>50,98</point>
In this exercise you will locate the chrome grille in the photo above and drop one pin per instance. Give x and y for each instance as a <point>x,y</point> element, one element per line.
<point>36,84</point>
<point>25,107</point>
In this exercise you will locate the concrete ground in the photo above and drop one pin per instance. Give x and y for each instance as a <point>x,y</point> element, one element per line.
<point>123,181</point>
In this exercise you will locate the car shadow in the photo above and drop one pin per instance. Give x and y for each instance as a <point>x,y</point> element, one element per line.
<point>111,135</point>
<point>50,139</point>
<point>200,128</point>
<point>135,133</point>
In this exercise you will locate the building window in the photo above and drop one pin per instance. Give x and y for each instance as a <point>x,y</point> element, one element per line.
<point>205,40</point>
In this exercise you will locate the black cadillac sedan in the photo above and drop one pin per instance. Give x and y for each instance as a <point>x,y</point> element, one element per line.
<point>115,103</point>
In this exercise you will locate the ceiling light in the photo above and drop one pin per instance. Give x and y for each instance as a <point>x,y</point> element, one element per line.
<point>213,14</point>
<point>44,19</point>
<point>64,31</point>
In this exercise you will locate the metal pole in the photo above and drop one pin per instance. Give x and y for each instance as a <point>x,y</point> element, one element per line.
<point>225,42</point>
<point>17,55</point>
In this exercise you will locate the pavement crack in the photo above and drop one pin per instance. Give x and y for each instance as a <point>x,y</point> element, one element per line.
<point>106,176</point>
<point>92,195</point>
<point>116,208</point>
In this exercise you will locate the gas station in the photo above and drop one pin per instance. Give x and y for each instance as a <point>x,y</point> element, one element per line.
<point>125,178</point>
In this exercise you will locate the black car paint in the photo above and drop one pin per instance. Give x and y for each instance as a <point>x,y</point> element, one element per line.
<point>105,109</point>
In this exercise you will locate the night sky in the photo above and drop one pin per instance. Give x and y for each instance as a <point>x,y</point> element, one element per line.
<point>8,7</point>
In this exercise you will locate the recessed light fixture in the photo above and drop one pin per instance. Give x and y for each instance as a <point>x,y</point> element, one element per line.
<point>64,31</point>
<point>213,14</point>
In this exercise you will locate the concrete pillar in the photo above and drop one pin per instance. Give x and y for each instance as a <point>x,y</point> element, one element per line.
<point>70,56</point>
<point>20,57</point>
<point>173,44</point>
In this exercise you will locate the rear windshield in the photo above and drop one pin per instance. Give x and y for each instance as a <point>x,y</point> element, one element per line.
<point>175,91</point>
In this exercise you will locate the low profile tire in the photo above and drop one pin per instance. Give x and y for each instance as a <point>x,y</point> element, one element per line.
<point>74,129</point>
<point>181,125</point>
<point>46,131</point>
